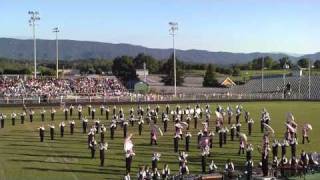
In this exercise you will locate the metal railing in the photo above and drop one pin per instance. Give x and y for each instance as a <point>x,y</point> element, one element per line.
<point>151,98</point>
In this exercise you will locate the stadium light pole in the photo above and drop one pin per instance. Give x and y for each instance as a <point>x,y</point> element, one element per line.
<point>56,30</point>
<point>34,17</point>
<point>285,67</point>
<point>262,74</point>
<point>173,28</point>
<point>309,80</point>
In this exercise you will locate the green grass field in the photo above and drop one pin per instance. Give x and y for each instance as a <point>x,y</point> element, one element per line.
<point>22,156</point>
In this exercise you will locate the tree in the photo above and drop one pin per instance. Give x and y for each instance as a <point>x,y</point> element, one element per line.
<point>283,61</point>
<point>268,63</point>
<point>317,64</point>
<point>168,69</point>
<point>304,63</point>
<point>236,70</point>
<point>123,68</point>
<point>210,79</point>
<point>151,63</point>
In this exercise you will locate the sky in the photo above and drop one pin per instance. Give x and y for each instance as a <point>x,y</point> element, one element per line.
<point>290,26</point>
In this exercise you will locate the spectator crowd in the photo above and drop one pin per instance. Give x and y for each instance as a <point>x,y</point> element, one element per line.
<point>52,87</point>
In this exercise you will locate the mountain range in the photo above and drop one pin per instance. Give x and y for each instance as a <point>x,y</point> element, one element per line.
<point>72,50</point>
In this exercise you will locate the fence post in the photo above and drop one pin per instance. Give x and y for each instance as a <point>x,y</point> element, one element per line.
<point>39,100</point>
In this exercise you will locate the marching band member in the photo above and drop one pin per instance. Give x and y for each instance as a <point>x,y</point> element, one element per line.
<point>51,131</point>
<point>229,113</point>
<point>113,126</point>
<point>184,170</point>
<point>107,112</point>
<point>84,125</point>
<point>220,132</point>
<point>200,134</point>
<point>41,133</point>
<point>42,112</point>
<point>2,119</point>
<point>241,145</point>
<point>167,109</point>
<point>238,126</point>
<point>114,110</point>
<point>101,109</point>
<point>155,174</point>
<point>226,130</point>
<point>97,125</point>
<point>250,125</point>
<point>71,107</point>
<point>211,134</point>
<point>61,125</point>
<point>153,135</point>
<point>13,118</point>
<point>249,168</point>
<point>229,168</point>
<point>188,136</point>
<point>305,131</point>
<point>22,117</point>
<point>140,123</point>
<point>265,157</point>
<point>246,116</point>
<point>125,128</point>
<point>195,118</point>
<point>79,111</point>
<point>66,111</point>
<point>89,110</point>
<point>275,165</point>
<point>275,146</point>
<point>232,131</point>
<point>129,153</point>
<point>249,150</point>
<point>165,172</point>
<point>31,113</point>
<point>90,137</point>
<point>127,176</point>
<point>284,145</point>
<point>92,146</point>
<point>131,120</point>
<point>93,112</point>
<point>103,146</point>
<point>148,173</point>
<point>53,111</point>
<point>293,144</point>
<point>72,125</point>
<point>212,167</point>
<point>176,139</point>
<point>103,129</point>
<point>304,161</point>
<point>165,122</point>
<point>238,113</point>
<point>155,158</point>
<point>141,174</point>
